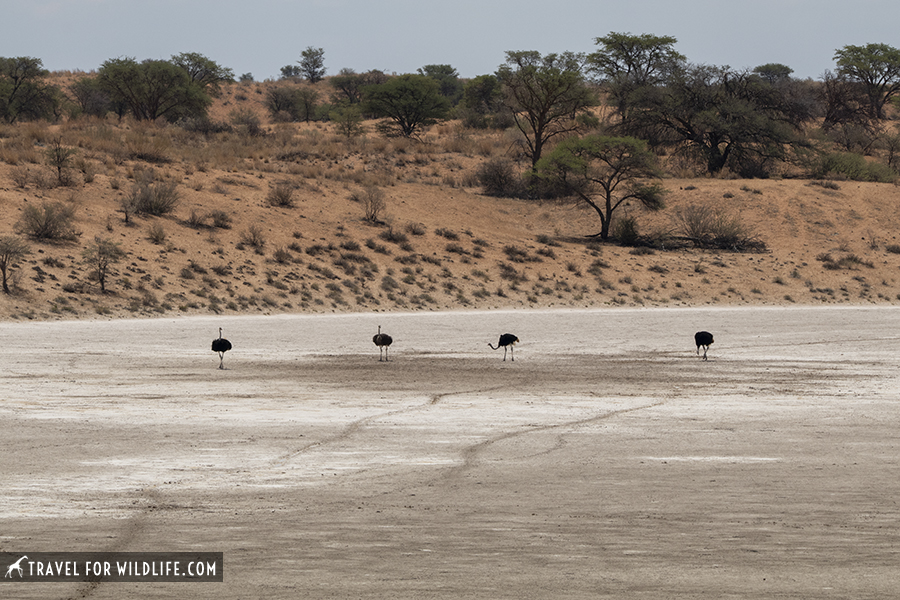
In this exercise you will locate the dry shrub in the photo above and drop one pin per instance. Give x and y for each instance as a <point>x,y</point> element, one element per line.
<point>849,261</point>
<point>498,177</point>
<point>21,176</point>
<point>253,237</point>
<point>141,145</point>
<point>282,256</point>
<point>196,220</point>
<point>157,233</point>
<point>49,221</point>
<point>706,227</point>
<point>396,237</point>
<point>372,199</point>
<point>415,229</point>
<point>220,219</point>
<point>152,197</point>
<point>36,132</point>
<point>282,195</point>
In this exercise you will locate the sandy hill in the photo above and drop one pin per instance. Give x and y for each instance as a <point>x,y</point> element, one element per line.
<point>440,243</point>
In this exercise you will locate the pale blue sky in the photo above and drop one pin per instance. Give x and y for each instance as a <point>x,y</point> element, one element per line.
<point>400,36</point>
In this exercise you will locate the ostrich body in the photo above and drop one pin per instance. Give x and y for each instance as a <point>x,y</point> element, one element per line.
<point>507,340</point>
<point>703,338</point>
<point>221,345</point>
<point>382,340</point>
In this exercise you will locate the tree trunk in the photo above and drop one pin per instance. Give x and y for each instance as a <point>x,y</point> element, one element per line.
<point>715,159</point>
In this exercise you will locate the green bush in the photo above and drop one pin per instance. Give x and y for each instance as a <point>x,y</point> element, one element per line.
<point>625,231</point>
<point>855,167</point>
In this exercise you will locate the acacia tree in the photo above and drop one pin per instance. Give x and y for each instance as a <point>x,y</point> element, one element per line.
<point>411,102</point>
<point>731,118</point>
<point>204,72</point>
<point>604,172</point>
<point>12,250</point>
<point>290,72</point>
<point>481,101</point>
<point>877,68</point>
<point>153,89</point>
<point>349,84</point>
<point>348,120</point>
<point>312,64</point>
<point>448,80</point>
<point>774,73</point>
<point>845,103</point>
<point>548,96</point>
<point>23,92</point>
<point>631,66</point>
<point>292,103</point>
<point>90,97</point>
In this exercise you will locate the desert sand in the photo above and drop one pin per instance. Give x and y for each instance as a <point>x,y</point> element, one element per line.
<point>607,461</point>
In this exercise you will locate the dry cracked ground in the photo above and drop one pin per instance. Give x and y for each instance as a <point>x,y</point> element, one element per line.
<point>606,461</point>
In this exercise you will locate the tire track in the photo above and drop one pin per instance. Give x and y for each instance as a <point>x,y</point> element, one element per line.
<point>355,426</point>
<point>152,495</point>
<point>470,454</point>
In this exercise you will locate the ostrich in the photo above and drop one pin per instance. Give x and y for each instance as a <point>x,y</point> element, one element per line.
<point>703,338</point>
<point>382,340</point>
<point>507,340</point>
<point>221,345</point>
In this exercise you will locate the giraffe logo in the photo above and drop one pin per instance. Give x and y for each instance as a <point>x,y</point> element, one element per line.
<point>16,566</point>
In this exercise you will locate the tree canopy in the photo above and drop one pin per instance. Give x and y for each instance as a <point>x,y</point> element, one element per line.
<point>604,172</point>
<point>312,64</point>
<point>203,71</point>
<point>876,67</point>
<point>631,66</point>
<point>447,79</point>
<point>411,102</point>
<point>774,73</point>
<point>546,95</point>
<point>23,92</point>
<point>153,89</point>
<point>731,118</point>
<point>349,84</point>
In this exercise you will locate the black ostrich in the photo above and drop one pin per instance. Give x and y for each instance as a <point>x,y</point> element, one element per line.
<point>703,338</point>
<point>221,345</point>
<point>507,340</point>
<point>382,340</point>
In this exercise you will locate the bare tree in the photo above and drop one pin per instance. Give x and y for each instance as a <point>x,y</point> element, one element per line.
<point>372,199</point>
<point>60,160</point>
<point>101,254</point>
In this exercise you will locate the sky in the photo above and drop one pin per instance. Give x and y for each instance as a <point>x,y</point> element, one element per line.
<point>400,36</point>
